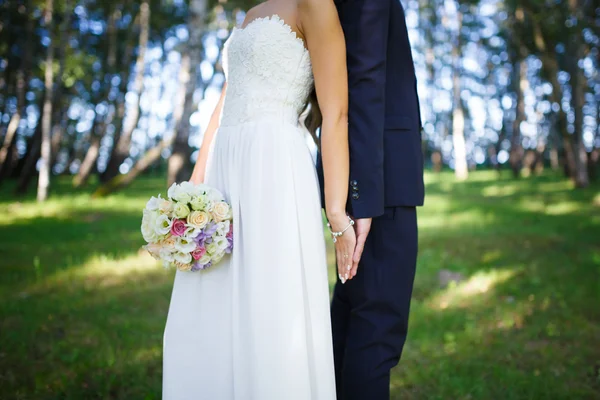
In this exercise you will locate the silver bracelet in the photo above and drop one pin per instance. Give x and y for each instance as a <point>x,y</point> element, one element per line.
<point>336,235</point>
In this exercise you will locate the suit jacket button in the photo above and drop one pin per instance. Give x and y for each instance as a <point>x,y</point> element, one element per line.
<point>355,196</point>
<point>353,183</point>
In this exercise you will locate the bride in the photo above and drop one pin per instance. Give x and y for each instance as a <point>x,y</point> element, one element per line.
<point>257,325</point>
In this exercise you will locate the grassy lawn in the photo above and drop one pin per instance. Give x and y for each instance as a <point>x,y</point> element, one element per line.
<point>82,309</point>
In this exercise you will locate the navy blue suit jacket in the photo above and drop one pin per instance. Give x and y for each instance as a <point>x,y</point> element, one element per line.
<point>384,124</point>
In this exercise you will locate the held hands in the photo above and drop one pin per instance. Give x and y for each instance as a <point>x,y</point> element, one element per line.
<point>362,227</point>
<point>350,244</point>
<point>344,240</point>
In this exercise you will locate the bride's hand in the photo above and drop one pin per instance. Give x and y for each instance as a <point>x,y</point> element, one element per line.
<point>344,246</point>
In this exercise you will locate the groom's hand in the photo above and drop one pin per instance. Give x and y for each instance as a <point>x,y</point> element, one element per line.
<point>362,228</point>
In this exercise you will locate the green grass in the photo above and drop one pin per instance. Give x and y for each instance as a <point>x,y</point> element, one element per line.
<point>82,309</point>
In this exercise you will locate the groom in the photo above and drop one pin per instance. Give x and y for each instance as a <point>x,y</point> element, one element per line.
<point>370,312</point>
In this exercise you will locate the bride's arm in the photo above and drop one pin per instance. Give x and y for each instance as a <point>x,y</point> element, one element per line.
<point>209,134</point>
<point>320,25</point>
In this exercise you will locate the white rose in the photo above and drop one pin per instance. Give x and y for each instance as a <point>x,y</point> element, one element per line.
<point>181,210</point>
<point>187,187</point>
<point>183,258</point>
<point>222,243</point>
<point>152,204</point>
<point>162,225</point>
<point>223,227</point>
<point>214,195</point>
<point>173,190</point>
<point>183,196</point>
<point>148,226</point>
<point>221,211</point>
<point>199,189</point>
<point>177,193</point>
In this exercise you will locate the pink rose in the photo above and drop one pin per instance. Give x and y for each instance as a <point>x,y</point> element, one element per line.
<point>198,253</point>
<point>178,227</point>
<point>230,233</point>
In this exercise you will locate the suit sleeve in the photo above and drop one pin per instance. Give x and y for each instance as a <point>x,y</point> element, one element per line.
<point>366,25</point>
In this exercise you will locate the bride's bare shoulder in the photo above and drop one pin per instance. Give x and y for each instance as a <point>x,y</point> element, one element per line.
<point>254,13</point>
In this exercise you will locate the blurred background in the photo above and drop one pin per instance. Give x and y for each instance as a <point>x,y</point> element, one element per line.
<point>103,104</point>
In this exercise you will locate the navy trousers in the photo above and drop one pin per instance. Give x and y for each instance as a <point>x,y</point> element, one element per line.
<point>370,312</point>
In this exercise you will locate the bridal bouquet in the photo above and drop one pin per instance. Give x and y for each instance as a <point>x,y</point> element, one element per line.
<point>191,230</point>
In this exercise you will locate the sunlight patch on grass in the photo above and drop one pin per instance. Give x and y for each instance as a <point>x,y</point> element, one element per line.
<point>596,201</point>
<point>466,218</point>
<point>461,294</point>
<point>66,207</point>
<point>106,271</point>
<point>532,204</point>
<point>499,190</point>
<point>103,271</point>
<point>563,208</point>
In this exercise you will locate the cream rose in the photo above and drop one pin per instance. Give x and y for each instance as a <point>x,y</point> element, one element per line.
<point>183,266</point>
<point>168,242</point>
<point>198,219</point>
<point>165,206</point>
<point>181,210</point>
<point>154,250</point>
<point>221,211</point>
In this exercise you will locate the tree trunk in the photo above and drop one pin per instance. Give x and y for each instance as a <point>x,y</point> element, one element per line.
<point>57,136</point>
<point>593,161</point>
<point>8,147</point>
<point>89,161</point>
<point>122,143</point>
<point>516,146</point>
<point>179,162</point>
<point>152,155</point>
<point>99,128</point>
<point>29,162</point>
<point>578,84</point>
<point>461,169</point>
<point>551,70</point>
<point>44,178</point>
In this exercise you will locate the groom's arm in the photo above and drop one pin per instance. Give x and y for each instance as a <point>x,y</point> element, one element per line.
<point>365,24</point>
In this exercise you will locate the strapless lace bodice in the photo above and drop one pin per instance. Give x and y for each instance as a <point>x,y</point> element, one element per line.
<point>268,72</point>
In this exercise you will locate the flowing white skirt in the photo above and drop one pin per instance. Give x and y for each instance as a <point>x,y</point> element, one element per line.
<point>257,326</point>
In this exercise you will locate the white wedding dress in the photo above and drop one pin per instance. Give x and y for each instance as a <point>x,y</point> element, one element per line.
<point>257,326</point>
